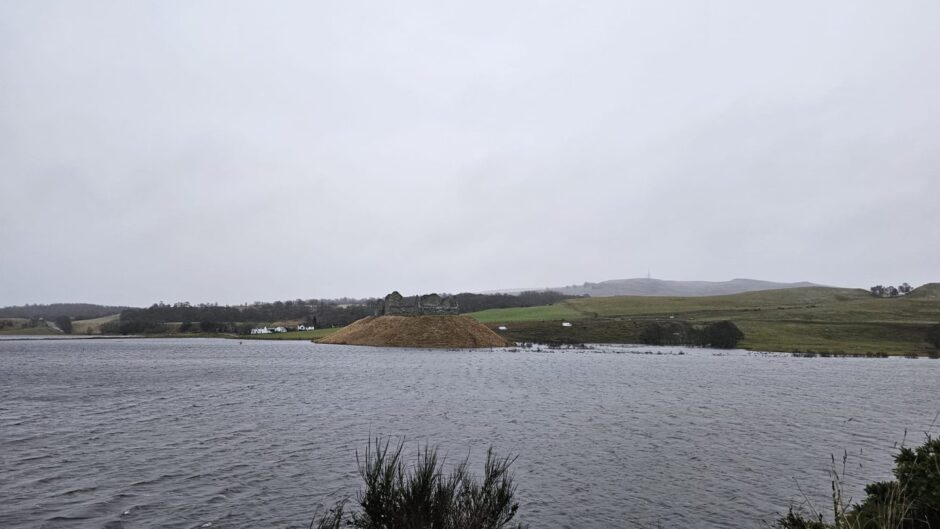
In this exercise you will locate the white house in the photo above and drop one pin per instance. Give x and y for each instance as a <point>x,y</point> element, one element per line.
<point>566,324</point>
<point>303,327</point>
<point>280,329</point>
<point>262,330</point>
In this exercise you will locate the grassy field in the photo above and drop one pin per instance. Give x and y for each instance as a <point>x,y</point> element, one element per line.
<point>820,319</point>
<point>558,311</point>
<point>12,325</point>
<point>92,326</point>
<point>41,330</point>
<point>17,326</point>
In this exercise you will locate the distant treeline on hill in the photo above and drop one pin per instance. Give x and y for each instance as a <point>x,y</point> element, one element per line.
<point>316,312</point>
<point>530,298</point>
<point>74,311</point>
<point>241,318</point>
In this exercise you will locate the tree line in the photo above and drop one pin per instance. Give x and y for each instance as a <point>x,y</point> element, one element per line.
<point>212,317</point>
<point>889,291</point>
<point>531,298</point>
<point>240,319</point>
<point>73,311</point>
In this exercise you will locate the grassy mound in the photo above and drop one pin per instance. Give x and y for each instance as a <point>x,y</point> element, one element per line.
<point>458,332</point>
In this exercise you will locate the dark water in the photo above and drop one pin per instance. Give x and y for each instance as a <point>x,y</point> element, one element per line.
<point>186,433</point>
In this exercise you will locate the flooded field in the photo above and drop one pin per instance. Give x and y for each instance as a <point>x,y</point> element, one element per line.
<point>184,433</point>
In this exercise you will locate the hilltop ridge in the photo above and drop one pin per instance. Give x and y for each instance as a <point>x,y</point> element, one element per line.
<point>928,291</point>
<point>645,286</point>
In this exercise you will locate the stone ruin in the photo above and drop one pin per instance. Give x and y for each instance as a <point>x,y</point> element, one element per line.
<point>430,304</point>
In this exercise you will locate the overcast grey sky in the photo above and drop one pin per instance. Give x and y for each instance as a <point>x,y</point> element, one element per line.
<point>237,151</point>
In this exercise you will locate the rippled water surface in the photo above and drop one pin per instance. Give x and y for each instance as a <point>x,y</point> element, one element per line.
<point>183,433</point>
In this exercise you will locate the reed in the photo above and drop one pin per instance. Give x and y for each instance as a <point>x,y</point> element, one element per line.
<point>910,501</point>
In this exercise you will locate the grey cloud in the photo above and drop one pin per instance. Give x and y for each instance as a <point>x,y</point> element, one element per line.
<point>239,151</point>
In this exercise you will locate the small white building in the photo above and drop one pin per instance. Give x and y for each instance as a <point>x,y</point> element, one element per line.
<point>303,327</point>
<point>280,329</point>
<point>262,330</point>
<point>566,324</point>
<point>502,327</point>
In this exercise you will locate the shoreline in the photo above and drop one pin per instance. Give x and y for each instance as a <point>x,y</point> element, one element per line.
<point>516,347</point>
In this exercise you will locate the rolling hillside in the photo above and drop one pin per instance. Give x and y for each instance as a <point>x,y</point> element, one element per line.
<point>821,319</point>
<point>92,326</point>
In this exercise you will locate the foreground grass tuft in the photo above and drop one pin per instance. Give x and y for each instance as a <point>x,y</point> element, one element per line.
<point>422,496</point>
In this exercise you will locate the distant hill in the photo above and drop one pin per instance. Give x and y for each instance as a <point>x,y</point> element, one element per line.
<point>660,287</point>
<point>930,291</point>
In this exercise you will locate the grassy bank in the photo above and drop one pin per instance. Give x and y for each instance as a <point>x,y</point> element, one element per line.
<point>819,319</point>
<point>293,335</point>
<point>41,330</point>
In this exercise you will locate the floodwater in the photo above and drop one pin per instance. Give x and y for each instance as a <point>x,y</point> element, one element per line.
<point>220,433</point>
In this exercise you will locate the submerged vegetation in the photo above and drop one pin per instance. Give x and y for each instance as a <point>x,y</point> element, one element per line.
<point>422,496</point>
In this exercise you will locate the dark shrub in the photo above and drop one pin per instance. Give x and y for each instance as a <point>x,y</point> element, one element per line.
<point>918,473</point>
<point>653,334</point>
<point>722,335</point>
<point>423,497</point>
<point>798,521</point>
<point>912,501</point>
<point>111,327</point>
<point>64,323</point>
<point>668,333</point>
<point>933,335</point>
<point>140,327</point>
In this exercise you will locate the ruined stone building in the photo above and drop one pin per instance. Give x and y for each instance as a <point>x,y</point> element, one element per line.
<point>396,304</point>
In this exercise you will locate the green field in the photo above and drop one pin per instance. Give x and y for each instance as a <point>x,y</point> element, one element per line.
<point>558,311</point>
<point>18,326</point>
<point>92,326</point>
<point>41,330</point>
<point>819,319</point>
